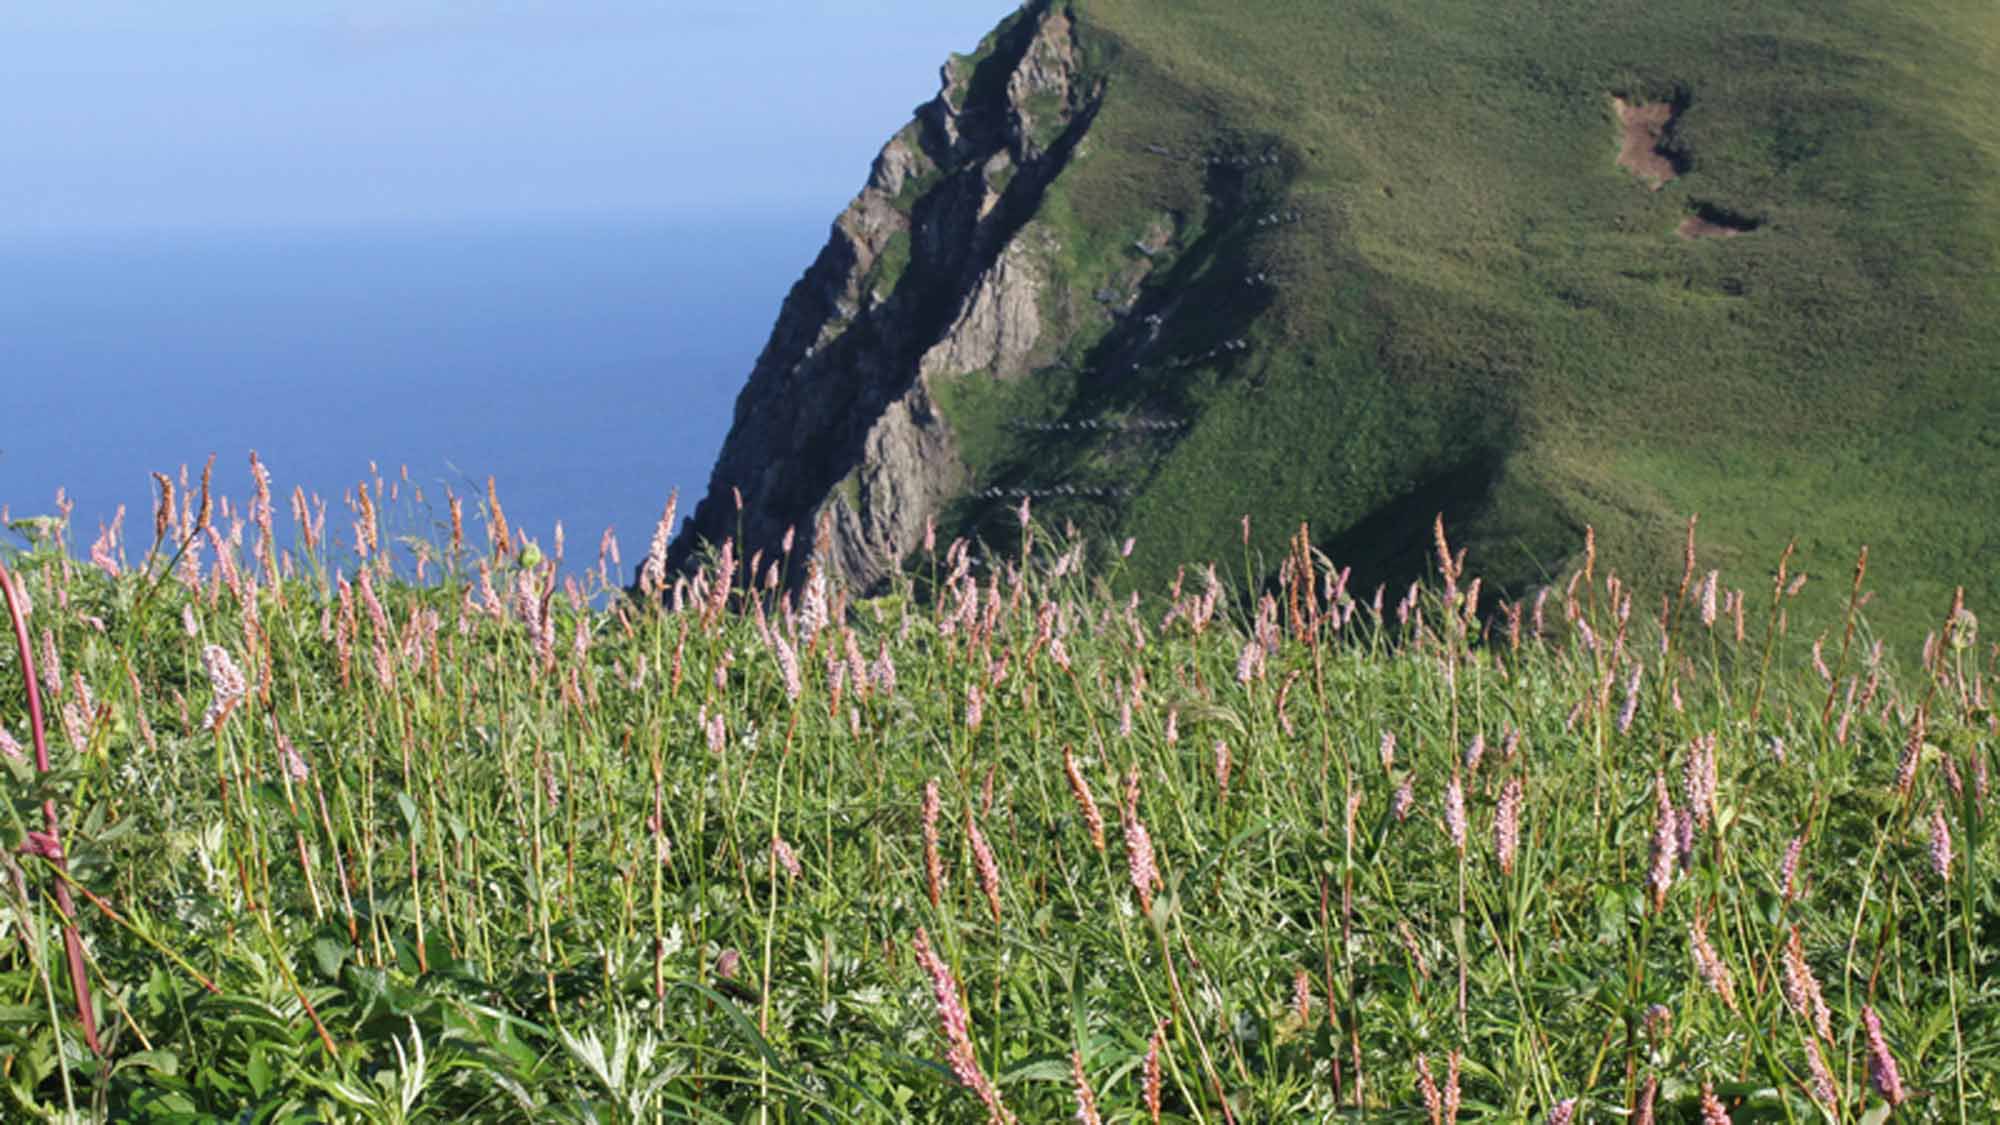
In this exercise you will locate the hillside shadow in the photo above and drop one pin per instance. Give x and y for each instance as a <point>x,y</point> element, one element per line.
<point>1395,544</point>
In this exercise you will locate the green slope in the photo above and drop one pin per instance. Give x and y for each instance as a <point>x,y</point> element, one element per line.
<point>1473,309</point>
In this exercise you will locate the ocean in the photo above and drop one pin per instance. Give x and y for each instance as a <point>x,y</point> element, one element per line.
<point>590,368</point>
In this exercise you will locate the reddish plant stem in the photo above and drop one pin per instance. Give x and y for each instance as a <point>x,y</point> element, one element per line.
<point>72,943</point>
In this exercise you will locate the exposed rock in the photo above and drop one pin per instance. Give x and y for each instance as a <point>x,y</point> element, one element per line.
<point>899,162</point>
<point>1043,75</point>
<point>908,471</point>
<point>1000,323</point>
<point>927,275</point>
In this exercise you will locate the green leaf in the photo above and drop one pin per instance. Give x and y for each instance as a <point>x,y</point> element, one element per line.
<point>328,955</point>
<point>1038,1070</point>
<point>741,1022</point>
<point>258,1070</point>
<point>1934,1025</point>
<point>164,1062</point>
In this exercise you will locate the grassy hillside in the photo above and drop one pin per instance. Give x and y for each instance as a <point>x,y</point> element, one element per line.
<point>349,848</point>
<point>1466,305</point>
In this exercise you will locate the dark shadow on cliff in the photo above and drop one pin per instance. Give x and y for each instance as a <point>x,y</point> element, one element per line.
<point>1202,302</point>
<point>872,361</point>
<point>922,308</point>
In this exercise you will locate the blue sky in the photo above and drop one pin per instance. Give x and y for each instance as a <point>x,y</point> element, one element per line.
<point>124,115</point>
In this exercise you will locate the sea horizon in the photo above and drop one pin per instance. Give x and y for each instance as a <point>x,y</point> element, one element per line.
<point>588,364</point>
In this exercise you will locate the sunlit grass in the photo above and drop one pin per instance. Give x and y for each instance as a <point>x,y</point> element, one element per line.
<point>1476,292</point>
<point>471,848</point>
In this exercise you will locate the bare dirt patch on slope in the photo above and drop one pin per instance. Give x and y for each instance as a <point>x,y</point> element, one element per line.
<point>1645,150</point>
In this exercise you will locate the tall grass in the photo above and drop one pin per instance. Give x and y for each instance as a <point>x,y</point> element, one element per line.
<point>496,843</point>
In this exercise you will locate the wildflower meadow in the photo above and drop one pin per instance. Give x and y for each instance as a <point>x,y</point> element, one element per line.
<point>312,820</point>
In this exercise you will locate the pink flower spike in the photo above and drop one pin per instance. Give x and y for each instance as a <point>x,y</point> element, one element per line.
<point>786,857</point>
<point>1454,813</point>
<point>986,865</point>
<point>1507,825</point>
<point>1086,1098</point>
<point>933,862</point>
<point>1940,844</point>
<point>227,682</point>
<point>957,1030</point>
<point>1712,1112</point>
<point>1139,860</point>
<point>1882,1072</point>
<point>1150,1082</point>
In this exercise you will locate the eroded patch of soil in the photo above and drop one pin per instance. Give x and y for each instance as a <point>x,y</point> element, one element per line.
<point>1645,150</point>
<point>1710,221</point>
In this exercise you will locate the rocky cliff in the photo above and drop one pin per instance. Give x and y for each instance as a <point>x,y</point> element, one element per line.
<point>932,272</point>
<point>1163,267</point>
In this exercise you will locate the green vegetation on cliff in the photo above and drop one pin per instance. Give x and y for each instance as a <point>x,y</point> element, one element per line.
<point>1447,295</point>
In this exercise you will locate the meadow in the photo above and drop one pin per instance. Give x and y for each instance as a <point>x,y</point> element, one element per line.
<point>312,820</point>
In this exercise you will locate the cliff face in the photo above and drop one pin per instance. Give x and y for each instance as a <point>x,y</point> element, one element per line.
<point>934,270</point>
<point>1193,274</point>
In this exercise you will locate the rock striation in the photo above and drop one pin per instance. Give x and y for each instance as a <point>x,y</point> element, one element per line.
<point>934,271</point>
